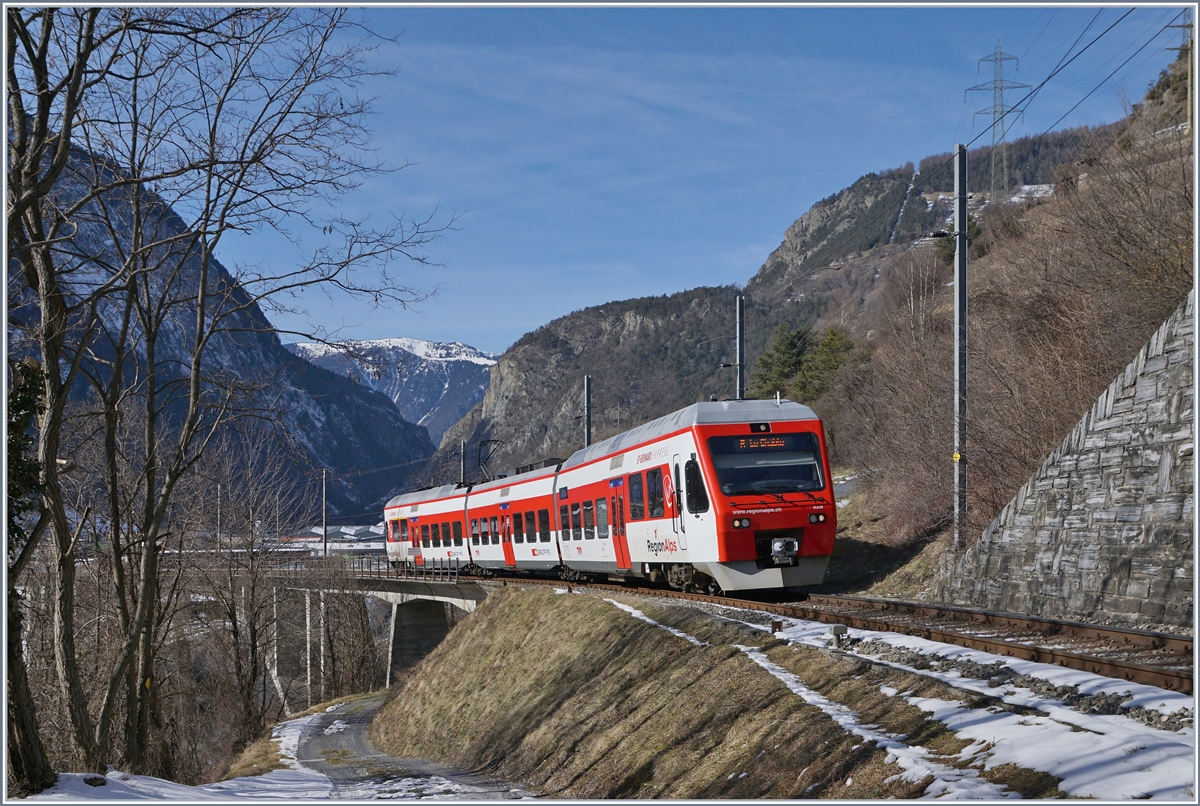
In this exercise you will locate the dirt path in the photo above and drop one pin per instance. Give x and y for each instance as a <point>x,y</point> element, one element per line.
<point>336,744</point>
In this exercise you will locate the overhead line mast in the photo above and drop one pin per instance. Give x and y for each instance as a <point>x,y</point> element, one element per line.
<point>960,343</point>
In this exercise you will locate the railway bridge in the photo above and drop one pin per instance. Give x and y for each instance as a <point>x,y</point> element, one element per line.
<point>424,603</point>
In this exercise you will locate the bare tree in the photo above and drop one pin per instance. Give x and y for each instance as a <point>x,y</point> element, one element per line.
<point>160,132</point>
<point>260,506</point>
<point>1063,294</point>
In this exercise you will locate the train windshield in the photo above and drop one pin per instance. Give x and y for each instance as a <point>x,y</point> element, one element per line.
<point>767,463</point>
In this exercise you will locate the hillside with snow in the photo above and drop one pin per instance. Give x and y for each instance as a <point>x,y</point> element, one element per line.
<point>433,384</point>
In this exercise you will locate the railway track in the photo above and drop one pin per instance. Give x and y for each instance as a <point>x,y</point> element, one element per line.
<point>1140,656</point>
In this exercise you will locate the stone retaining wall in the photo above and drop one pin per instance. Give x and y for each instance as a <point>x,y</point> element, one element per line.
<point>1104,529</point>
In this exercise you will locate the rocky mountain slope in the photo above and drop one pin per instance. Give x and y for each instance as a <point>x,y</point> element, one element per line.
<point>646,357</point>
<point>432,384</point>
<point>327,421</point>
<point>649,356</point>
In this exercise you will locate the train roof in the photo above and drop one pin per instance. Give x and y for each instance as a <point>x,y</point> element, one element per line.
<point>720,412</point>
<point>421,496</point>
<point>714,413</point>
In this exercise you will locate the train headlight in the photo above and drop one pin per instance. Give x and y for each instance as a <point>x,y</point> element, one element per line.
<point>741,523</point>
<point>816,517</point>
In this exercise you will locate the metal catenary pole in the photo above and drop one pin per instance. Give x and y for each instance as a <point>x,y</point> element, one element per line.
<point>741,347</point>
<point>960,341</point>
<point>324,518</point>
<point>587,410</point>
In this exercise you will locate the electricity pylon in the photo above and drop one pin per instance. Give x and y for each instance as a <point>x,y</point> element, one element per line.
<point>999,118</point>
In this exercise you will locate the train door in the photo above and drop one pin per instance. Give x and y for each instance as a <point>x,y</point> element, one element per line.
<point>414,530</point>
<point>510,559</point>
<point>617,507</point>
<point>675,502</point>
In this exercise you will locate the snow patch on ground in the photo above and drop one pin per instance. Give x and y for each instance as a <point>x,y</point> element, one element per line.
<point>1103,756</point>
<point>948,782</point>
<point>433,787</point>
<point>638,614</point>
<point>294,783</point>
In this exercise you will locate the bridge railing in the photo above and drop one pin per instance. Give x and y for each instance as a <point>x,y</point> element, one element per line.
<point>378,566</point>
<point>297,566</point>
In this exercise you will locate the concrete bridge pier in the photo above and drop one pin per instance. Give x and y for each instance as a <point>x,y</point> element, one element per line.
<point>418,626</point>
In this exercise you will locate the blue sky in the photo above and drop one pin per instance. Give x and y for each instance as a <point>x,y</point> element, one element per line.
<point>595,154</point>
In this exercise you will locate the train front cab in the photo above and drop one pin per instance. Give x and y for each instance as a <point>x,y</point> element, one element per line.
<point>771,501</point>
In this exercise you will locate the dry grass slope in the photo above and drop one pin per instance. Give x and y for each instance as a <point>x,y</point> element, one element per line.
<point>572,697</point>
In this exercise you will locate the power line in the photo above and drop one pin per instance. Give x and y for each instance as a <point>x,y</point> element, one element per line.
<point>1062,65</point>
<point>1039,36</point>
<point>1113,57</point>
<point>1058,67</point>
<point>1030,28</point>
<point>1114,72</point>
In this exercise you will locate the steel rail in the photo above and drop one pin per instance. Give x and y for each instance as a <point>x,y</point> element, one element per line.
<point>1049,626</point>
<point>1170,679</point>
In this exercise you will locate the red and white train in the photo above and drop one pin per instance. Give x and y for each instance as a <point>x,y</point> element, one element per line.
<point>729,496</point>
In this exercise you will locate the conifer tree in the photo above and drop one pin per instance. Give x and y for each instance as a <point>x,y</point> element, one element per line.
<point>821,366</point>
<point>779,365</point>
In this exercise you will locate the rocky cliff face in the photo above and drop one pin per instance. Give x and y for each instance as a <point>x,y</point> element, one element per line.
<point>646,357</point>
<point>432,384</point>
<point>854,220</point>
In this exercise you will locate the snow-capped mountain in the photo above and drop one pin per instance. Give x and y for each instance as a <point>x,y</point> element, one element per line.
<point>432,383</point>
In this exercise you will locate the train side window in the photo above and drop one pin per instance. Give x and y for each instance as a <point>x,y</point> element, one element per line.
<point>589,521</point>
<point>530,527</point>
<point>425,535</point>
<point>484,538</point>
<point>446,535</point>
<point>458,533</point>
<point>602,518</point>
<point>544,525</point>
<point>654,492</point>
<point>404,530</point>
<point>564,522</point>
<point>435,534</point>
<point>518,527</point>
<point>576,525</point>
<point>637,505</point>
<point>697,496</point>
<point>495,532</point>
<point>474,531</point>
